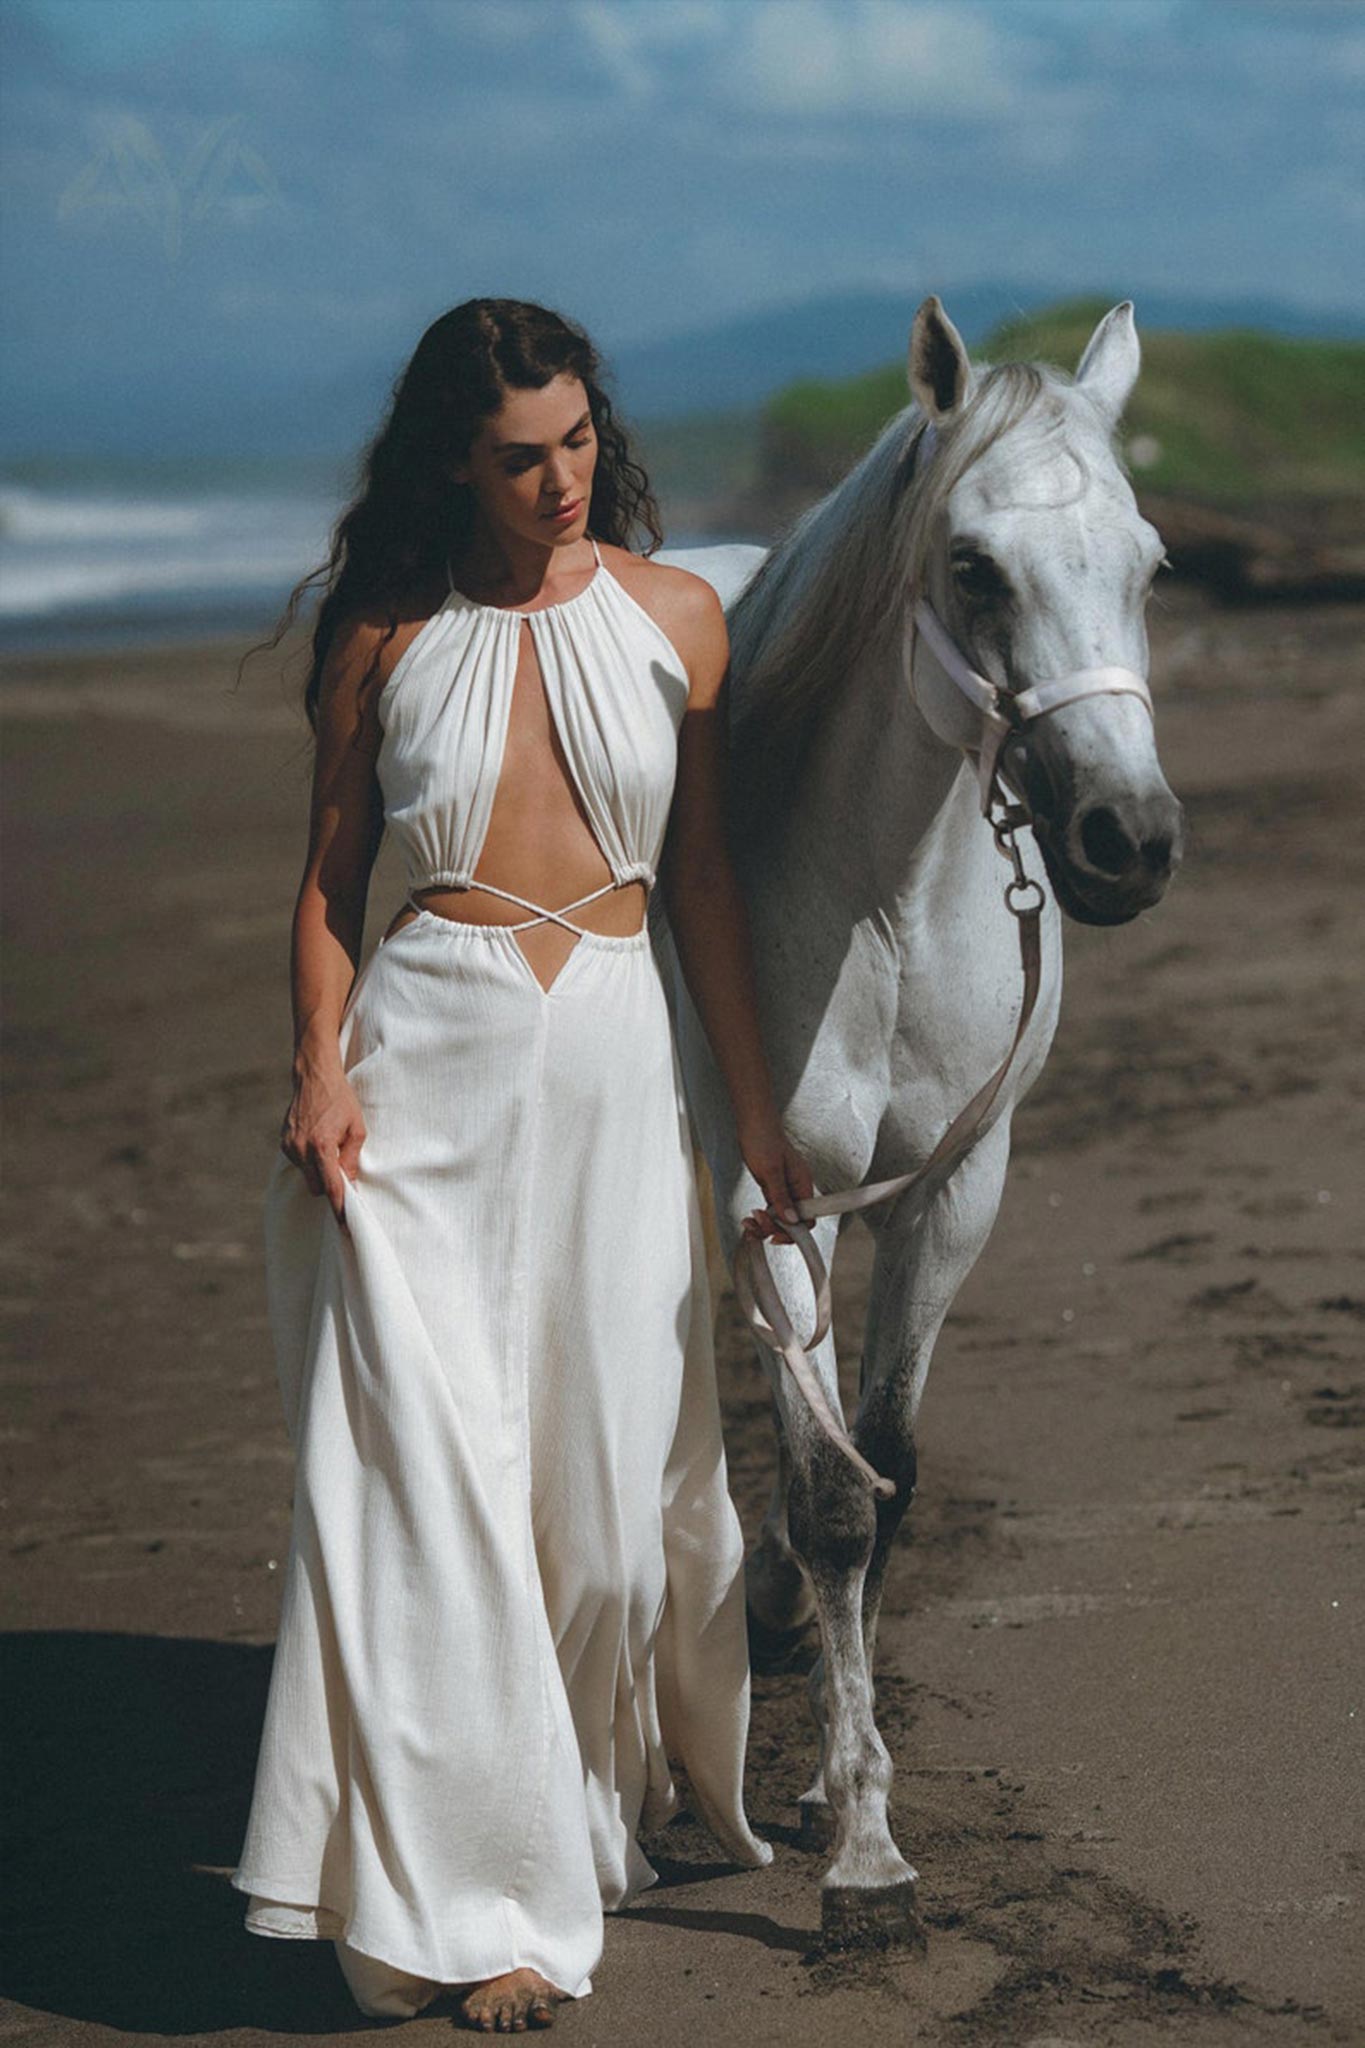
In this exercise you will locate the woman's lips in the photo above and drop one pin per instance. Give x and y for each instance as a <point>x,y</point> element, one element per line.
<point>565,513</point>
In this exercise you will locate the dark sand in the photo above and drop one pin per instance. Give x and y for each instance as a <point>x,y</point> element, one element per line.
<point>1122,1670</point>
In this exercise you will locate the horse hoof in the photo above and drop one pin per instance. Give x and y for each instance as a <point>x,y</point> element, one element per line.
<point>817,1826</point>
<point>871,1916</point>
<point>781,1649</point>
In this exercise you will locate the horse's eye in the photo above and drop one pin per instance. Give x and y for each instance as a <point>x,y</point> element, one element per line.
<point>977,576</point>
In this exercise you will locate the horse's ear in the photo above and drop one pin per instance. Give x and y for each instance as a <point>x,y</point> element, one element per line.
<point>941,376</point>
<point>1109,366</point>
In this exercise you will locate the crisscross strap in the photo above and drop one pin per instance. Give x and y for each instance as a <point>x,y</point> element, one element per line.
<point>541,914</point>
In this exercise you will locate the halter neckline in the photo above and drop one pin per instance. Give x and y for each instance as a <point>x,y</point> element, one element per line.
<point>505,611</point>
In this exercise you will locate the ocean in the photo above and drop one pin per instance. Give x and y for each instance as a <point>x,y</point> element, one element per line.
<point>123,559</point>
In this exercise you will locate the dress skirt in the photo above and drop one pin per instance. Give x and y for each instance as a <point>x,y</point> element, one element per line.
<point>514,1586</point>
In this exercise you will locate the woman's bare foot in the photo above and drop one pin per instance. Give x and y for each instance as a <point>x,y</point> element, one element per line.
<point>512,2003</point>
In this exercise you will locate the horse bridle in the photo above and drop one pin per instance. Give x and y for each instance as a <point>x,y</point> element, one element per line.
<point>1002,713</point>
<point>1007,712</point>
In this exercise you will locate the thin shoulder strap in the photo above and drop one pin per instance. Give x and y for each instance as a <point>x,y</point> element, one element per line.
<point>597,552</point>
<point>450,580</point>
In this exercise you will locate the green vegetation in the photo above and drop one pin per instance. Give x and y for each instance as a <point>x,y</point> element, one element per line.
<point>1228,416</point>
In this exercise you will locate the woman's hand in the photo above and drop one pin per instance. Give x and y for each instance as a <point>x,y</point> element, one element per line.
<point>323,1132</point>
<point>783,1175</point>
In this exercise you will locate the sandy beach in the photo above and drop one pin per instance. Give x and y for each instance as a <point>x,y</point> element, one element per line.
<point>1122,1666</point>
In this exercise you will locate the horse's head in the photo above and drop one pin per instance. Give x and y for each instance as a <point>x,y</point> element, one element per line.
<point>1038,564</point>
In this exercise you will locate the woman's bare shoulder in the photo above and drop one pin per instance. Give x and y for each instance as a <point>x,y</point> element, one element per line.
<point>365,637</point>
<point>683,605</point>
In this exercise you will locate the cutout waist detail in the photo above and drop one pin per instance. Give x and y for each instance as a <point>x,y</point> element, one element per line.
<point>542,914</point>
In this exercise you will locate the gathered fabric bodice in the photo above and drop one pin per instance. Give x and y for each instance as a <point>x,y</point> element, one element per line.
<point>616,687</point>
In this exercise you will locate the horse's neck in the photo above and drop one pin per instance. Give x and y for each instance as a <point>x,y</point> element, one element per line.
<point>885,805</point>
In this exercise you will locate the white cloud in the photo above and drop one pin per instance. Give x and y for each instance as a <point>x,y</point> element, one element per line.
<point>664,24</point>
<point>807,57</point>
<point>611,34</point>
<point>874,56</point>
<point>630,37</point>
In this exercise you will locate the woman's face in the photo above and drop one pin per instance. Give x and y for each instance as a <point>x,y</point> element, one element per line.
<point>532,463</point>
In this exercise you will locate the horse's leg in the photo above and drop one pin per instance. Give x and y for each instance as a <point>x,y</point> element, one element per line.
<point>868,1890</point>
<point>780,1601</point>
<point>920,1263</point>
<point>780,1598</point>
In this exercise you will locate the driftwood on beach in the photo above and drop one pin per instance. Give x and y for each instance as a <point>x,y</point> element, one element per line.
<point>1305,552</point>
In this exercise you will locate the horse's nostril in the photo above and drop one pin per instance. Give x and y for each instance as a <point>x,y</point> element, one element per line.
<point>1106,845</point>
<point>1156,852</point>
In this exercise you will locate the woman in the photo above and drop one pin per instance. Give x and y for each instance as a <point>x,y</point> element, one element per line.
<point>514,1583</point>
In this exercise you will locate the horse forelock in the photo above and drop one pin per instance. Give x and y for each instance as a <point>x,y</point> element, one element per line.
<point>836,586</point>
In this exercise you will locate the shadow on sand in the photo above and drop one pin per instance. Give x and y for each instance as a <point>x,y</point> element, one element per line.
<point>128,1771</point>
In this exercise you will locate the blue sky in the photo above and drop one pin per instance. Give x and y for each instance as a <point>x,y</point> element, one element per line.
<point>261,182</point>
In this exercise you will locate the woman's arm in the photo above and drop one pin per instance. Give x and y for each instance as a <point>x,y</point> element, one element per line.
<point>323,1128</point>
<point>709,922</point>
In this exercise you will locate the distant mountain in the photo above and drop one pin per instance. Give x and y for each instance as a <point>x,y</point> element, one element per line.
<point>244,415</point>
<point>743,361</point>
<point>254,412</point>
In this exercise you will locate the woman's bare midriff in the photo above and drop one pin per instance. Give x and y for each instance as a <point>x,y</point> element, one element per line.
<point>539,844</point>
<point>546,946</point>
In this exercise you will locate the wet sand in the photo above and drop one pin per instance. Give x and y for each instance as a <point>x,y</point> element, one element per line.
<point>1122,1669</point>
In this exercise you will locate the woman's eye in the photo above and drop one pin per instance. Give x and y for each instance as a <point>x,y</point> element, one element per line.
<point>520,464</point>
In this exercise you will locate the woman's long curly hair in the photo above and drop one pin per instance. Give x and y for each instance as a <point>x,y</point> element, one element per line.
<point>409,516</point>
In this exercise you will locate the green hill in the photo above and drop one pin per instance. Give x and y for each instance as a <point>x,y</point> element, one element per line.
<point>1231,417</point>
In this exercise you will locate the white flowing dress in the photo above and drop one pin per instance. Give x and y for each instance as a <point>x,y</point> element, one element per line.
<point>514,1586</point>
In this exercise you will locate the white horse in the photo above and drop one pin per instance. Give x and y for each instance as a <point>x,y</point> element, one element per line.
<point>886,957</point>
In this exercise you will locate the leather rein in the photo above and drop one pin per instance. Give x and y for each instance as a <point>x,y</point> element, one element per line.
<point>1002,712</point>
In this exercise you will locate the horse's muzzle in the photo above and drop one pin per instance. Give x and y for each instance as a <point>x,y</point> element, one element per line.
<point>1113,860</point>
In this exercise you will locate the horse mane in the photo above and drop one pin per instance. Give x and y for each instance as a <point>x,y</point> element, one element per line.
<point>836,586</point>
